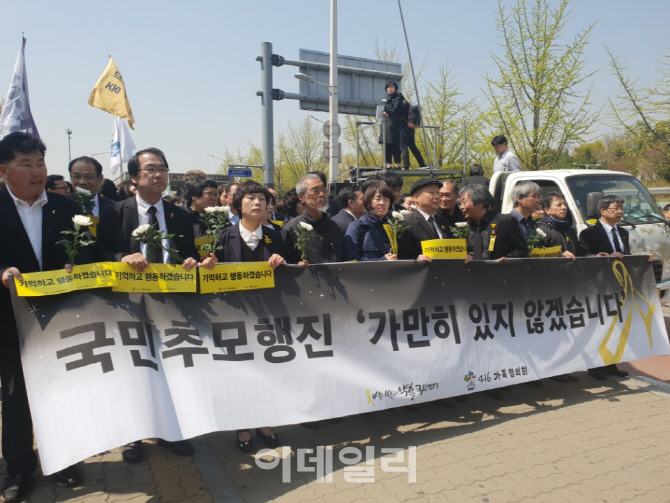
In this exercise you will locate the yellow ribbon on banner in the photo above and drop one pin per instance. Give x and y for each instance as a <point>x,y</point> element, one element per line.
<point>552,251</point>
<point>236,276</point>
<point>157,278</point>
<point>626,282</point>
<point>83,277</point>
<point>93,229</point>
<point>445,248</point>
<point>202,241</point>
<point>392,239</point>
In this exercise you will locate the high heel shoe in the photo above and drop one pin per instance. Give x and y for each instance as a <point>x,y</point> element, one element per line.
<point>269,440</point>
<point>244,445</point>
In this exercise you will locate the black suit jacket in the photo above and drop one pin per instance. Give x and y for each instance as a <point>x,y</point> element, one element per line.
<point>16,250</point>
<point>509,241</point>
<point>343,219</point>
<point>118,221</point>
<point>409,244</point>
<point>232,244</point>
<point>594,240</point>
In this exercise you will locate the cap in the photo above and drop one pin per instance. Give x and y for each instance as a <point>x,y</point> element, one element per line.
<point>424,182</point>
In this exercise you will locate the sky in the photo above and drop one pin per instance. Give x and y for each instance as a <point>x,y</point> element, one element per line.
<point>191,74</point>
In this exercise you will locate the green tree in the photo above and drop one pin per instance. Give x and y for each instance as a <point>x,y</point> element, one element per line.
<point>536,100</point>
<point>643,115</point>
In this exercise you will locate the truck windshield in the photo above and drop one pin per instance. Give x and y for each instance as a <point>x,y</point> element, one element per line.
<point>639,206</point>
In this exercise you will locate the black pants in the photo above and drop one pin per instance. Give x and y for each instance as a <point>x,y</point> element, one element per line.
<point>17,425</point>
<point>407,143</point>
<point>392,153</point>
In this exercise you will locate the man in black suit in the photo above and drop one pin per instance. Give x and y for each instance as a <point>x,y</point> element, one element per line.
<point>606,239</point>
<point>510,231</point>
<point>351,202</point>
<point>477,176</point>
<point>33,222</point>
<point>424,223</point>
<point>148,169</point>
<point>86,173</point>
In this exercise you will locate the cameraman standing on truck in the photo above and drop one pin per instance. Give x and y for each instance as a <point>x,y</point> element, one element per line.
<point>506,160</point>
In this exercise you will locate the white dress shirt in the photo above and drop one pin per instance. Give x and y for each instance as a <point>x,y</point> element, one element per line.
<point>427,216</point>
<point>251,238</point>
<point>608,231</point>
<point>143,217</point>
<point>96,206</point>
<point>507,161</point>
<point>31,218</point>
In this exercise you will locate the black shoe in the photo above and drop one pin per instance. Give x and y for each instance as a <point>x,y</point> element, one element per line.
<point>270,441</point>
<point>598,374</point>
<point>335,420</point>
<point>178,448</point>
<point>389,412</point>
<point>16,487</point>
<point>133,452</point>
<point>68,477</point>
<point>365,416</point>
<point>560,378</point>
<point>572,377</point>
<point>244,445</point>
<point>613,370</point>
<point>311,425</point>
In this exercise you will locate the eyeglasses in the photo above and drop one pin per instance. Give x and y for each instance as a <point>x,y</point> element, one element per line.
<point>615,208</point>
<point>318,190</point>
<point>152,170</point>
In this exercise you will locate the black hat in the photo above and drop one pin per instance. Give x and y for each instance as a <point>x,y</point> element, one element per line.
<point>424,182</point>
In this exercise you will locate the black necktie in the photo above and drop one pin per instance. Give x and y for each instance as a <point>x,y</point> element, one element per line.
<point>431,221</point>
<point>617,247</point>
<point>154,256</point>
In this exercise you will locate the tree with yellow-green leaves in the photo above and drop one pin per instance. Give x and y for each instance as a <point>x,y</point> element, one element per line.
<point>538,100</point>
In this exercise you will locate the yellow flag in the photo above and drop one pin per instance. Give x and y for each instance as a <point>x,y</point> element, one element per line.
<point>109,94</point>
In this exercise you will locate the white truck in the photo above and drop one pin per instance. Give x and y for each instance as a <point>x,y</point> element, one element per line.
<point>649,231</point>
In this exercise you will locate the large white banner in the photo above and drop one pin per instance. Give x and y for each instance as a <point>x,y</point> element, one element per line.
<point>103,369</point>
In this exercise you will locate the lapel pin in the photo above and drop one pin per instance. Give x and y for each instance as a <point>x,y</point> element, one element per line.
<point>171,215</point>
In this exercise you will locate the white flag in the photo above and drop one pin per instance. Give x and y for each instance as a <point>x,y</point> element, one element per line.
<point>122,146</point>
<point>16,115</point>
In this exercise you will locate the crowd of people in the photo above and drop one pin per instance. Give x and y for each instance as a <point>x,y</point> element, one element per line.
<point>303,227</point>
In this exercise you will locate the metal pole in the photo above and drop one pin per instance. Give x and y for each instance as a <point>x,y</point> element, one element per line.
<point>416,88</point>
<point>436,136</point>
<point>69,137</point>
<point>266,114</point>
<point>384,160</point>
<point>465,147</point>
<point>332,91</point>
<point>358,152</point>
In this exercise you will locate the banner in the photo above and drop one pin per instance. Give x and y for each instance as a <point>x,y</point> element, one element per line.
<point>16,114</point>
<point>103,369</point>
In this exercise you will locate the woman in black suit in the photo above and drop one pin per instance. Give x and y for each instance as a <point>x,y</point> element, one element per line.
<point>250,241</point>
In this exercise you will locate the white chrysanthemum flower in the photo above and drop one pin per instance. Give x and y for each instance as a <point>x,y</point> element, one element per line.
<point>82,220</point>
<point>541,233</point>
<point>141,230</point>
<point>214,209</point>
<point>398,216</point>
<point>461,224</point>
<point>306,226</point>
<point>224,209</point>
<point>405,212</point>
<point>83,191</point>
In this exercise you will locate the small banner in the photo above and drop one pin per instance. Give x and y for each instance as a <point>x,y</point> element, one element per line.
<point>237,276</point>
<point>200,244</point>
<point>83,277</point>
<point>157,278</point>
<point>445,248</point>
<point>553,251</point>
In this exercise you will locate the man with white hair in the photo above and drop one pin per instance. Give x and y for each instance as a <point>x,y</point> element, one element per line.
<point>510,232</point>
<point>326,240</point>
